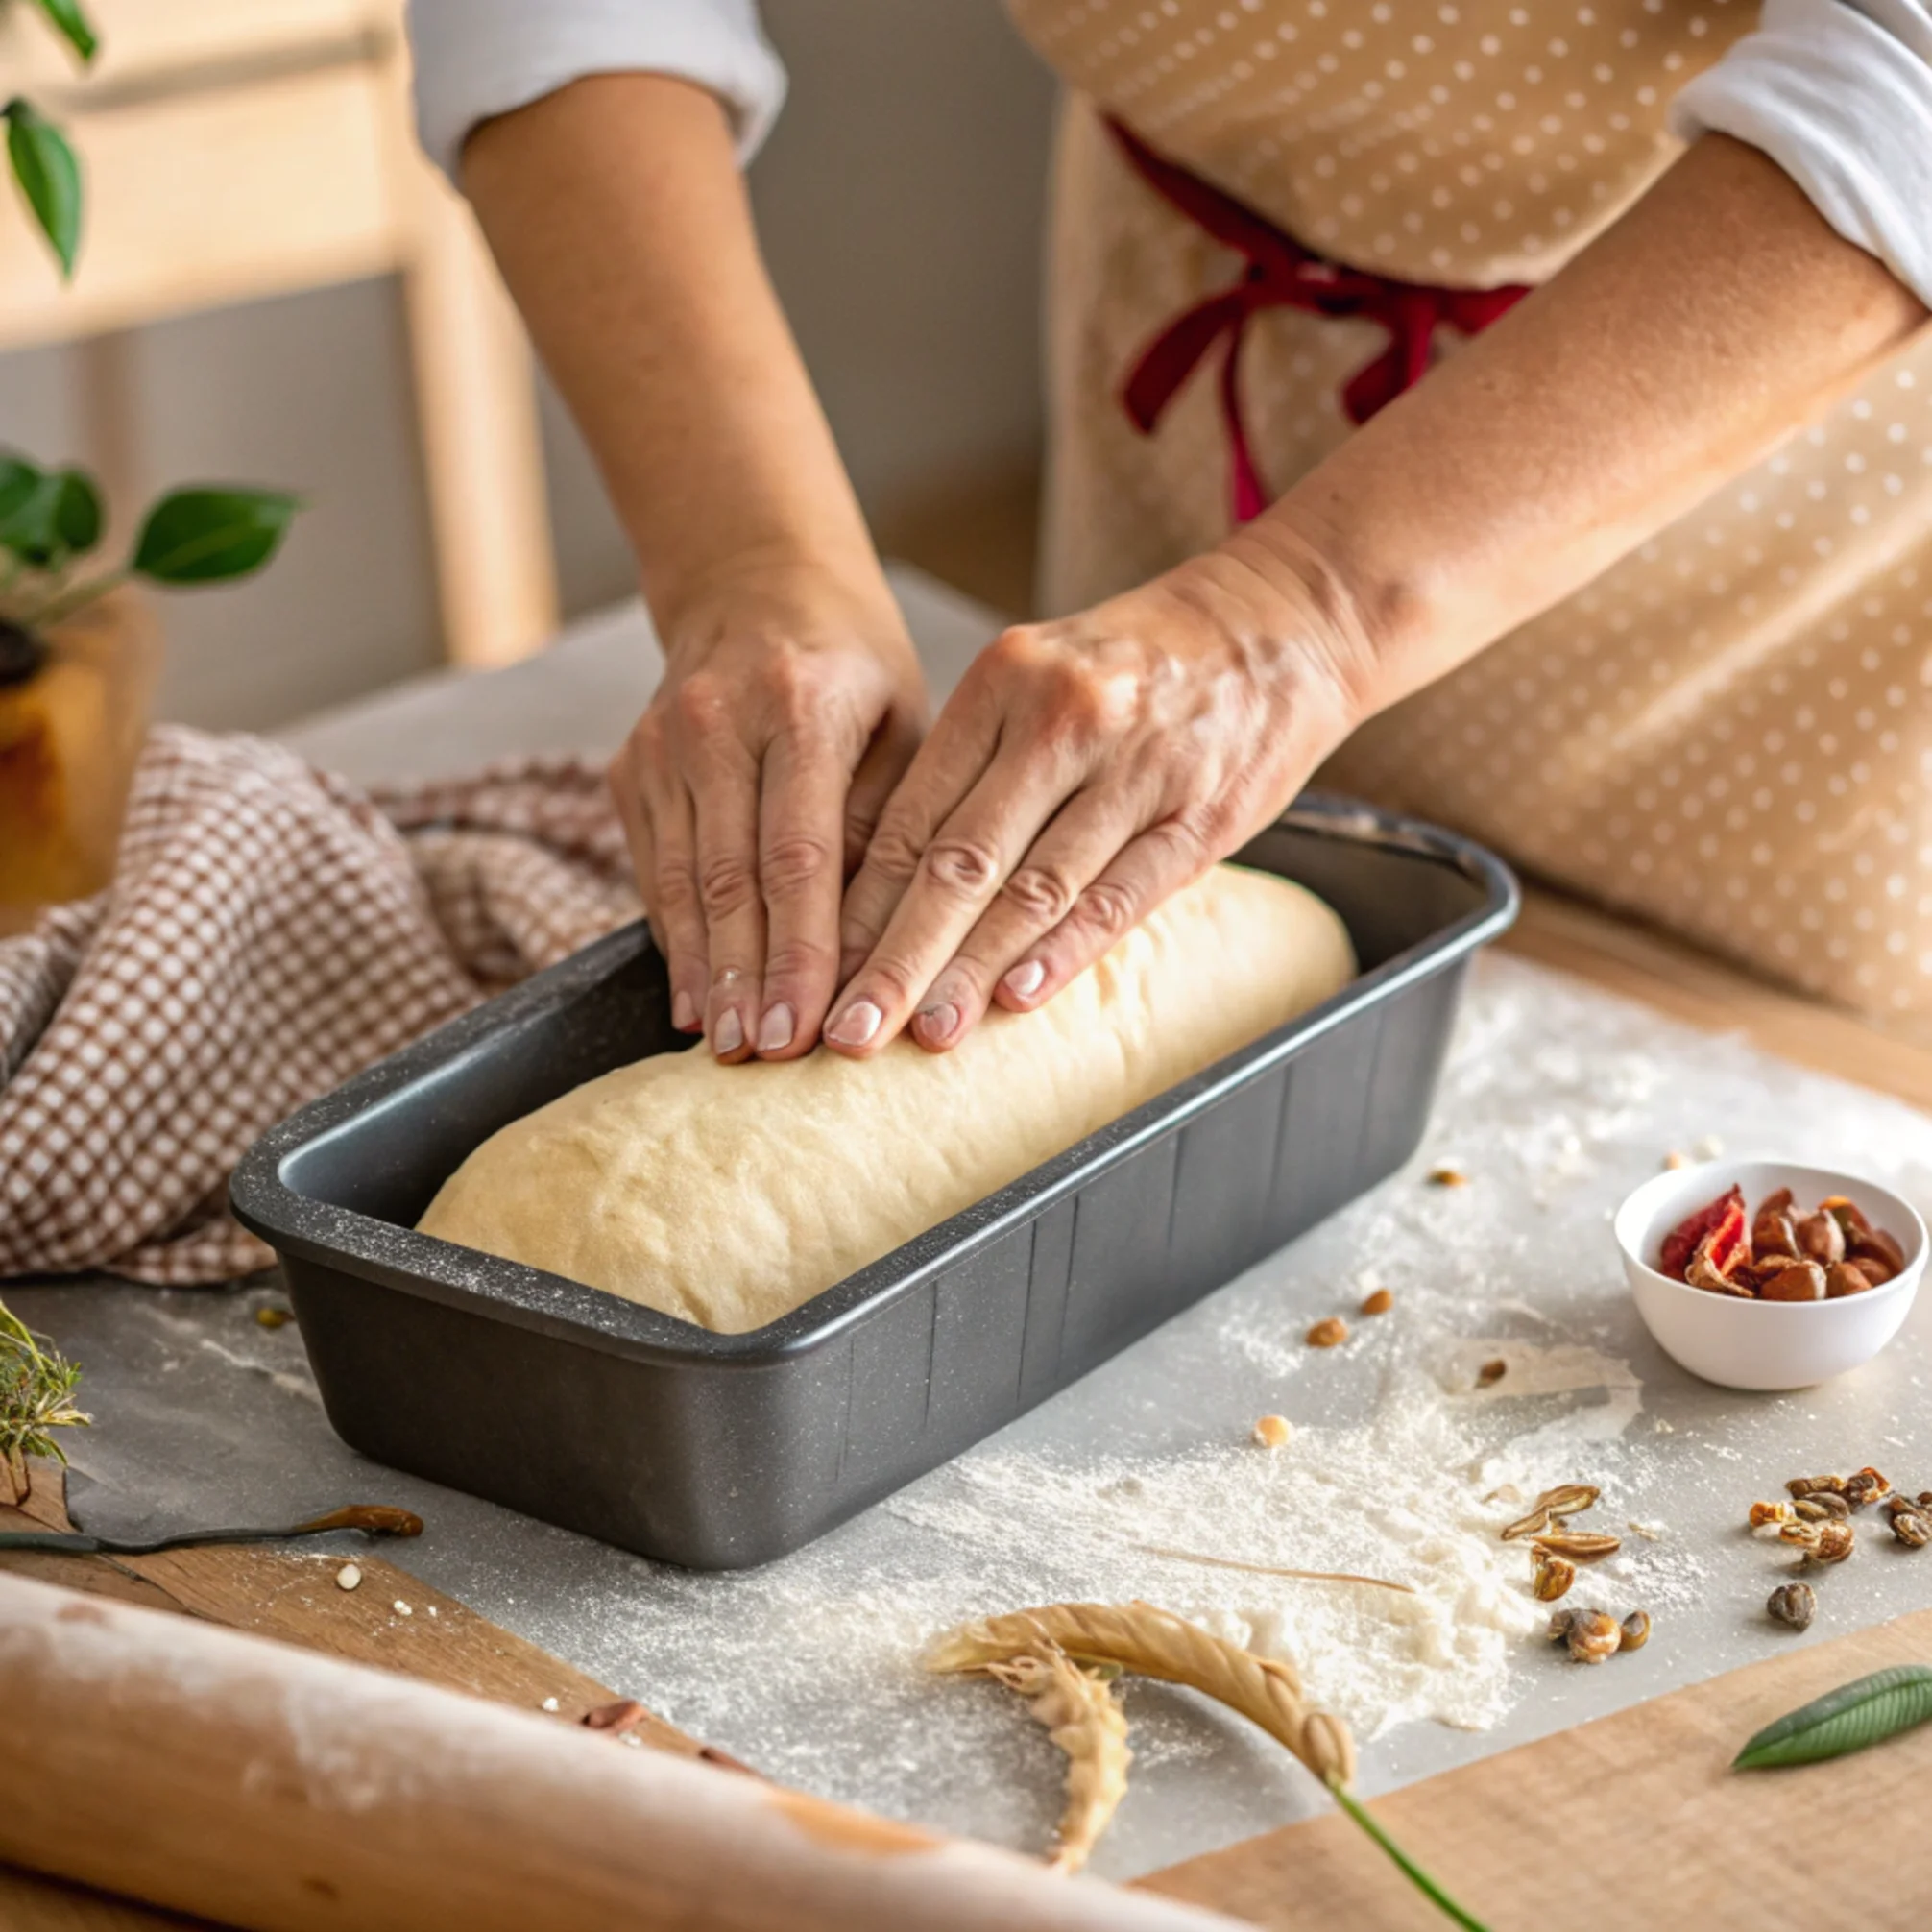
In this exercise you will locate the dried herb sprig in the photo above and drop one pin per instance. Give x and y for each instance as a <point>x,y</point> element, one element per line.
<point>1155,1643</point>
<point>37,1397</point>
<point>1863,1712</point>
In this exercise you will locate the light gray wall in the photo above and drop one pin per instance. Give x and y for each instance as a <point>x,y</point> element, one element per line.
<point>900,200</point>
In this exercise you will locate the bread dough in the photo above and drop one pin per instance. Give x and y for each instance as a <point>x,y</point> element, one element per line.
<point>727,1196</point>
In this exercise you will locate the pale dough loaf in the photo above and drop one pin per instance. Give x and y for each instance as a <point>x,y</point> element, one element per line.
<point>727,1196</point>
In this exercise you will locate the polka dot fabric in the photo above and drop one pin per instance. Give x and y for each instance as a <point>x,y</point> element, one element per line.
<point>269,932</point>
<point>1729,732</point>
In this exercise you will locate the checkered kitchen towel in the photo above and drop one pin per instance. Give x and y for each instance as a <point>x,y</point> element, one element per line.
<point>270,929</point>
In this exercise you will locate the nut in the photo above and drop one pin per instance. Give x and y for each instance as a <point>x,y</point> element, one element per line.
<point>347,1577</point>
<point>1762,1513</point>
<point>1447,1177</point>
<point>1637,1630</point>
<point>1593,1636</point>
<point>1553,1578</point>
<point>1329,1331</point>
<point>1272,1432</point>
<point>1380,1302</point>
<point>1835,1542</point>
<point>1813,1485</point>
<point>1846,1277</point>
<point>1831,1503</point>
<point>1822,1237</point>
<point>1812,1509</point>
<point>1793,1604</point>
<point>1801,1281</point>
<point>1866,1487</point>
<point>1772,1231</point>
<point>1580,1546</point>
<point>1911,1529</point>
<point>1491,1372</point>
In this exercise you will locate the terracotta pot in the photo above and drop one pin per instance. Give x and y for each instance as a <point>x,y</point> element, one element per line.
<point>69,736</point>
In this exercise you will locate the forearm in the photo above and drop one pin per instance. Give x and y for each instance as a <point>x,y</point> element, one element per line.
<point>616,209</point>
<point>1673,351</point>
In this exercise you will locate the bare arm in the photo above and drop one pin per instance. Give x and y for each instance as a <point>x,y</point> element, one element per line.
<point>1088,767</point>
<point>791,700</point>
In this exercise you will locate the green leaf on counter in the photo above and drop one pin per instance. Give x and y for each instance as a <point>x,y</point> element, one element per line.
<point>204,536</point>
<point>49,176</point>
<point>1864,1712</point>
<point>72,25</point>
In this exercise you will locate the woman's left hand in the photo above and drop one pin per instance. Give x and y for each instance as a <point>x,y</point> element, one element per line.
<point>1083,770</point>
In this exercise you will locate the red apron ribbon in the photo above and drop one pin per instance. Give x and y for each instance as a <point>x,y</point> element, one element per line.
<point>1282,274</point>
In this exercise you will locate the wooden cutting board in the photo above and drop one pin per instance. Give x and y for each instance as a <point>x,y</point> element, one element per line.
<point>1631,1820</point>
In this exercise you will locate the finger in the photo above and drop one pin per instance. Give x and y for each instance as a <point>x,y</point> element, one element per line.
<point>959,871</point>
<point>880,770</point>
<point>945,770</point>
<point>655,812</point>
<point>723,777</point>
<point>801,874</point>
<point>1088,832</point>
<point>1160,862</point>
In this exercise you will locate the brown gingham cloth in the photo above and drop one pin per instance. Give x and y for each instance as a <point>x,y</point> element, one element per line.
<point>269,931</point>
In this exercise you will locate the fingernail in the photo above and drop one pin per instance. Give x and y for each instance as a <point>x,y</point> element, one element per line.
<point>1025,979</point>
<point>729,1035</point>
<point>936,1024</point>
<point>683,1011</point>
<point>774,1032</point>
<point>855,1025</point>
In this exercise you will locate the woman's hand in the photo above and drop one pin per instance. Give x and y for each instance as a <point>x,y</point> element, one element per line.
<point>1083,770</point>
<point>791,704</point>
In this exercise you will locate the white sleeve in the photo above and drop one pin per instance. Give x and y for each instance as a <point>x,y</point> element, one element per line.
<point>478,58</point>
<point>1839,94</point>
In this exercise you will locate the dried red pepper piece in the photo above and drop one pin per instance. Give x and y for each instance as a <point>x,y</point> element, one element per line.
<point>1721,1218</point>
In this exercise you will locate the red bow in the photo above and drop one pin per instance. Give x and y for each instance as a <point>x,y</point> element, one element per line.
<point>1282,274</point>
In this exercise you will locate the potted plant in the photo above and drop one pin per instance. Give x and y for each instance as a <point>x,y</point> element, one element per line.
<point>77,660</point>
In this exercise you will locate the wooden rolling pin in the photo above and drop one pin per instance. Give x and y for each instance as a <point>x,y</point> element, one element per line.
<point>275,1789</point>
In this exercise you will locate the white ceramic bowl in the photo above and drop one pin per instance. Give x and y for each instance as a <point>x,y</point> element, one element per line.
<point>1764,1345</point>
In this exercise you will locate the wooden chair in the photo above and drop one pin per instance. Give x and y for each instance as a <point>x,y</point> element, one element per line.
<point>237,149</point>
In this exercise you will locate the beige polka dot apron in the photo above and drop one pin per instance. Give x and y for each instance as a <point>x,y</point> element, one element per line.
<point>1731,730</point>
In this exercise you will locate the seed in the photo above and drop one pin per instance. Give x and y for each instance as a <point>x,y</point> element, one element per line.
<point>1329,1331</point>
<point>1380,1302</point>
<point>1835,1542</point>
<point>1814,1486</point>
<point>1925,1497</point>
<point>1762,1513</point>
<point>1593,1636</point>
<point>1866,1487</point>
<point>1272,1432</point>
<point>1491,1372</point>
<point>1831,1503</point>
<point>1637,1630</point>
<point>1673,1160</point>
<point>1553,1578</point>
<point>272,1316</point>
<point>1793,1604</point>
<point>550,1703</point>
<point>347,1577</point>
<point>1843,1278</point>
<point>1809,1509</point>
<point>1568,1499</point>
<point>1447,1177</point>
<point>1559,1624</point>
<point>1532,1525</point>
<point>401,1608</point>
<point>1801,1281</point>
<point>1912,1529</point>
<point>1581,1546</point>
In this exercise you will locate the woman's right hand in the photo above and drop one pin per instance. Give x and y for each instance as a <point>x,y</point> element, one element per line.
<point>792,703</point>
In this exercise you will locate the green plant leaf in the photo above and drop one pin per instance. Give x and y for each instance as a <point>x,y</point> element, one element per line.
<point>72,25</point>
<point>204,536</point>
<point>76,512</point>
<point>49,176</point>
<point>57,516</point>
<point>18,482</point>
<point>1863,1712</point>
<point>1407,1866</point>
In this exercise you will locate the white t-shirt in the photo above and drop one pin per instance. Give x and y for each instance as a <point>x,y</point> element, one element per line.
<point>1837,92</point>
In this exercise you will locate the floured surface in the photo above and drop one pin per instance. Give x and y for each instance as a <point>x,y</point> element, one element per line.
<point>1558,1100</point>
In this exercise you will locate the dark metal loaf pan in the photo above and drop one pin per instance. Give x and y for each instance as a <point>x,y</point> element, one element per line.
<point>718,1451</point>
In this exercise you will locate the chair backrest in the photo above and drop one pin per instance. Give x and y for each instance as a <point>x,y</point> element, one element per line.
<point>239,149</point>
